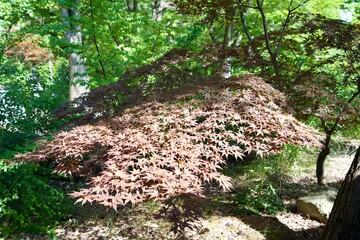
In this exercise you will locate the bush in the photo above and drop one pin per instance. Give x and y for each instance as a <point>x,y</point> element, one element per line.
<point>27,202</point>
<point>261,197</point>
<point>28,97</point>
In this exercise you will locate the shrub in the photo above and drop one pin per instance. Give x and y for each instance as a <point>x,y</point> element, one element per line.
<point>261,197</point>
<point>177,142</point>
<point>27,202</point>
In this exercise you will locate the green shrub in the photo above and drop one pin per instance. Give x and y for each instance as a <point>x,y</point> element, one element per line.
<point>27,101</point>
<point>27,202</point>
<point>263,176</point>
<point>261,197</point>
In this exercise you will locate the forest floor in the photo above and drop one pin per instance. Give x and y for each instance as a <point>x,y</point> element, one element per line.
<point>95,222</point>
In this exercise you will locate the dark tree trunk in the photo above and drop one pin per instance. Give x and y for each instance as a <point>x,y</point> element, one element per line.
<point>344,220</point>
<point>132,6</point>
<point>321,160</point>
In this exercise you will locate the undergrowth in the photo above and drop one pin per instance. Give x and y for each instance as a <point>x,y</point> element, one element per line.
<point>262,180</point>
<point>27,202</point>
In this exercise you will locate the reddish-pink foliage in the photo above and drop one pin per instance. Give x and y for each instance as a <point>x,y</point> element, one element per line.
<point>29,49</point>
<point>160,149</point>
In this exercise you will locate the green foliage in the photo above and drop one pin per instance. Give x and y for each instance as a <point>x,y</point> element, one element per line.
<point>264,178</point>
<point>283,163</point>
<point>261,197</point>
<point>29,96</point>
<point>117,40</point>
<point>352,132</point>
<point>27,202</point>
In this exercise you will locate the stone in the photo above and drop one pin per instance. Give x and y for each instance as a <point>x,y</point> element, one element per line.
<point>317,204</point>
<point>226,227</point>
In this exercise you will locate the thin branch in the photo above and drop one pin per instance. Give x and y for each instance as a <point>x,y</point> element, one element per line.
<point>297,60</point>
<point>286,22</point>
<point>241,4</point>
<point>95,41</point>
<point>113,36</point>
<point>300,5</point>
<point>323,124</point>
<point>248,6</point>
<point>266,31</point>
<point>243,23</point>
<point>352,66</point>
<point>6,39</point>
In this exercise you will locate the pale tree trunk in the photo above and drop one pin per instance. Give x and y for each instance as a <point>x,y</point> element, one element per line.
<point>159,7</point>
<point>158,10</point>
<point>228,36</point>
<point>344,220</point>
<point>78,78</point>
<point>51,68</point>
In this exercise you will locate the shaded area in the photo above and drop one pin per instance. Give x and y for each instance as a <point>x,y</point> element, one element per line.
<point>273,229</point>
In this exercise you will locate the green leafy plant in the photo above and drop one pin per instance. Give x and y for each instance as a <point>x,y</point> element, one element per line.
<point>264,177</point>
<point>284,162</point>
<point>27,202</point>
<point>261,197</point>
<point>26,103</point>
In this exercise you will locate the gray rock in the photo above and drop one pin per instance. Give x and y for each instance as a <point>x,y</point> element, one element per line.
<point>317,204</point>
<point>226,227</point>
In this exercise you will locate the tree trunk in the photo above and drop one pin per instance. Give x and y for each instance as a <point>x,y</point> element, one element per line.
<point>344,220</point>
<point>321,160</point>
<point>132,6</point>
<point>228,36</point>
<point>78,77</point>
<point>158,10</point>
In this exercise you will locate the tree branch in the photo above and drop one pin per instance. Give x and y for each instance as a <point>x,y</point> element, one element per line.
<point>265,28</point>
<point>95,41</point>
<point>7,33</point>
<point>243,23</point>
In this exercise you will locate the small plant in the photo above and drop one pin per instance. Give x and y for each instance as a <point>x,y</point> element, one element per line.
<point>261,197</point>
<point>27,202</point>
<point>285,161</point>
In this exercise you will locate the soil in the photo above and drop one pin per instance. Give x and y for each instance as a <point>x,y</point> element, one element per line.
<point>95,222</point>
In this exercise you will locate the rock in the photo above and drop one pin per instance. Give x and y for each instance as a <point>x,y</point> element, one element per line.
<point>317,204</point>
<point>230,228</point>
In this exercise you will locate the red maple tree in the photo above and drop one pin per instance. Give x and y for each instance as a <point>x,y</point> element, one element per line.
<point>171,145</point>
